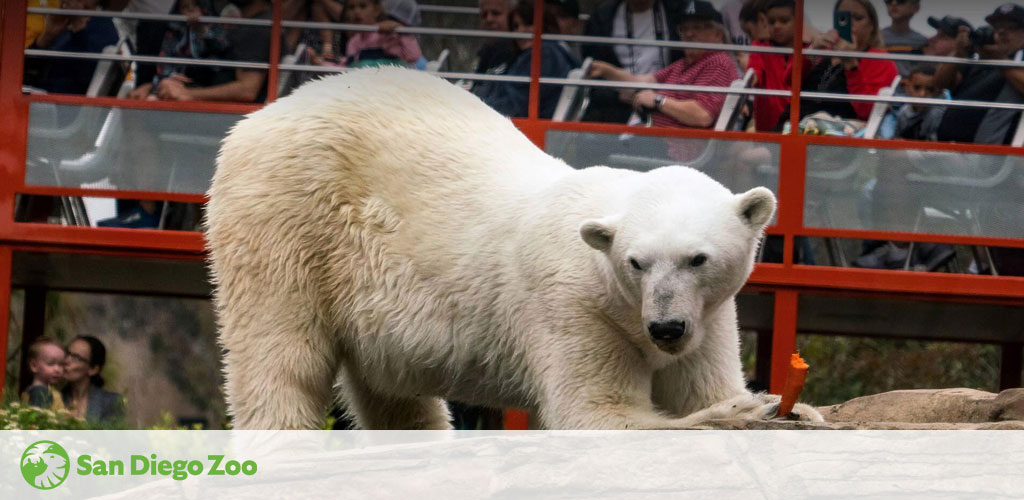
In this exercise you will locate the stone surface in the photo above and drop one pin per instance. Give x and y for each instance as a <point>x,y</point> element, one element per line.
<point>921,409</point>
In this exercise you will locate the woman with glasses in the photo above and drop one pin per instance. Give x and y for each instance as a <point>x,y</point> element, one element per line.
<point>83,395</point>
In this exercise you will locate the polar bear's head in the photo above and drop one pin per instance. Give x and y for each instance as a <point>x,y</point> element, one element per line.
<point>679,248</point>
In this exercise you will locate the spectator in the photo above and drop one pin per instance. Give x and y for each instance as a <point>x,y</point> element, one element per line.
<point>890,199</point>
<point>189,40</point>
<point>567,13</point>
<point>848,75</point>
<point>46,362</point>
<point>383,47</point>
<point>899,38</point>
<point>512,99</point>
<point>320,11</point>
<point>245,43</point>
<point>985,83</point>
<point>496,56</point>
<point>771,71</point>
<point>943,43</point>
<point>737,20</point>
<point>919,121</point>
<point>634,19</point>
<point>146,36</point>
<point>84,396</point>
<point>69,34</point>
<point>699,22</point>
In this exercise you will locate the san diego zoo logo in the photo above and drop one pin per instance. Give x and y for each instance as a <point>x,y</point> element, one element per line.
<point>44,465</point>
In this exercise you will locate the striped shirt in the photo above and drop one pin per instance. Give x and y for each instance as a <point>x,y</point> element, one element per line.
<point>713,69</point>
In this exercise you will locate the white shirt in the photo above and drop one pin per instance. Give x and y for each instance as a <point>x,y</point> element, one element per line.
<point>639,59</point>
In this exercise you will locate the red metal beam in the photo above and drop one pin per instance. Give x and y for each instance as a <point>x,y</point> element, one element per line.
<point>123,194</point>
<point>877,280</point>
<point>49,234</point>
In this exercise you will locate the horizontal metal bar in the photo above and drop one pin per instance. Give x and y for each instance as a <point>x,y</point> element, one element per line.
<point>666,43</point>
<point>184,61</point>
<point>665,86</point>
<point>409,30</point>
<point>911,100</point>
<point>442,74</point>
<point>449,9</point>
<point>141,16</point>
<point>914,58</point>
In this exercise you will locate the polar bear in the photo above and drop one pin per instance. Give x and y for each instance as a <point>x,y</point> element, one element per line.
<point>385,233</point>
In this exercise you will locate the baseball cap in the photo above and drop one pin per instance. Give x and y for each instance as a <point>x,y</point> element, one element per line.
<point>948,25</point>
<point>1008,12</point>
<point>699,9</point>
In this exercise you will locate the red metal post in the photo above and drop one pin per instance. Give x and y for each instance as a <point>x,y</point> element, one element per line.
<point>538,28</point>
<point>5,307</point>
<point>275,51</point>
<point>783,337</point>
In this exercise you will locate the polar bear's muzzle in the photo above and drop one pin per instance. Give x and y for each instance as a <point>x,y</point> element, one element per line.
<point>667,331</point>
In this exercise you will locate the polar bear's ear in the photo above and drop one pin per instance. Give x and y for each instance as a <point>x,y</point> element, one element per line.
<point>599,233</point>
<point>756,207</point>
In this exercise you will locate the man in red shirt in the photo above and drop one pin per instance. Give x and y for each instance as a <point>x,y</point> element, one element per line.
<point>700,22</point>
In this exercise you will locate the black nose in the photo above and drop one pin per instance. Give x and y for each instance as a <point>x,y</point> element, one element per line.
<point>669,330</point>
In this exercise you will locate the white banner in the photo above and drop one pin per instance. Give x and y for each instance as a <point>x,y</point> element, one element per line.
<point>528,464</point>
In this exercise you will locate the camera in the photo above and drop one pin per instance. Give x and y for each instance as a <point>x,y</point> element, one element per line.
<point>983,36</point>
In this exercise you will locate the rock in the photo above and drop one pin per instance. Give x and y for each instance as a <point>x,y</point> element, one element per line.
<point>921,409</point>
<point>930,406</point>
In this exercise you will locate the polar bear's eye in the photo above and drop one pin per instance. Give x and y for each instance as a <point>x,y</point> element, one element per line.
<point>635,264</point>
<point>699,260</point>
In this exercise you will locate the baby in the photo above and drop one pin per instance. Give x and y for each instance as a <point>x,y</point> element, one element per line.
<point>46,361</point>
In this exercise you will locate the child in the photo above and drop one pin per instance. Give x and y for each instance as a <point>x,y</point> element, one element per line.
<point>899,38</point>
<point>919,121</point>
<point>380,47</point>
<point>46,361</point>
<point>771,70</point>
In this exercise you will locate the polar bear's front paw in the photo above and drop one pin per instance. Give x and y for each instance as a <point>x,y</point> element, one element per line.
<point>807,413</point>
<point>801,411</point>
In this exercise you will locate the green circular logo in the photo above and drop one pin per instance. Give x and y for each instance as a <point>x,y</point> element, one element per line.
<point>44,465</point>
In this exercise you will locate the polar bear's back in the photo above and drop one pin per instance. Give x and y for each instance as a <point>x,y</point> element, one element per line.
<point>385,164</point>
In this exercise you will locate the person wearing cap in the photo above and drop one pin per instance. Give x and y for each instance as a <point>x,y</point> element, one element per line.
<point>847,75</point>
<point>943,43</point>
<point>899,38</point>
<point>985,83</point>
<point>634,19</point>
<point>699,22</point>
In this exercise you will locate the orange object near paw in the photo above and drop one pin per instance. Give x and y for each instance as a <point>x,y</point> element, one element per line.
<point>794,384</point>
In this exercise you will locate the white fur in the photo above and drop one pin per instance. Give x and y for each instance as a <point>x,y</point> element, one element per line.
<point>387,231</point>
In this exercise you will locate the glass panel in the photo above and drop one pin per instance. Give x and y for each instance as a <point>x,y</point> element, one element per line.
<point>161,354</point>
<point>128,149</point>
<point>739,165</point>
<point>936,192</point>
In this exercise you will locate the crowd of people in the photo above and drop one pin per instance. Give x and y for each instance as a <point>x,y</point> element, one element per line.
<point>765,23</point>
<point>857,28</point>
